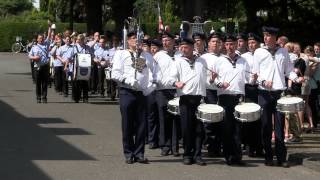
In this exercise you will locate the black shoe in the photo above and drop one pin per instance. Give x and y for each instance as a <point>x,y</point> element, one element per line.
<point>187,161</point>
<point>239,163</point>
<point>283,164</point>
<point>76,101</point>
<point>176,154</point>
<point>142,160</point>
<point>200,162</point>
<point>129,161</point>
<point>164,152</point>
<point>268,162</point>
<point>251,154</point>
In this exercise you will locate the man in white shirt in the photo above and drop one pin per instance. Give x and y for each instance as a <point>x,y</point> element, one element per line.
<point>231,70</point>
<point>252,131</point>
<point>212,130</point>
<point>133,73</point>
<point>189,77</point>
<point>94,80</point>
<point>274,65</point>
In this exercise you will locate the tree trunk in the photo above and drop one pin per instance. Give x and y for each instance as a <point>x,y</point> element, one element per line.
<point>94,16</point>
<point>71,14</point>
<point>121,9</point>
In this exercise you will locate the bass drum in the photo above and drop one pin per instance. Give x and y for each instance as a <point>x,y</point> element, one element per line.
<point>82,67</point>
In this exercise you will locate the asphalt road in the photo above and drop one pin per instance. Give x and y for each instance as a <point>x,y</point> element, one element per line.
<point>66,141</point>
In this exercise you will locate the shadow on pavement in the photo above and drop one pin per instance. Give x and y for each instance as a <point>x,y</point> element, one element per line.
<point>22,141</point>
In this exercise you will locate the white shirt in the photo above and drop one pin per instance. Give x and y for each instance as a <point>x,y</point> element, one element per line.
<point>193,77</point>
<point>127,75</point>
<point>211,59</point>
<point>161,69</point>
<point>236,75</point>
<point>253,65</point>
<point>273,68</point>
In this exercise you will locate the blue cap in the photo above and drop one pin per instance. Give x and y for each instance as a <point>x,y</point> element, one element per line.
<point>270,30</point>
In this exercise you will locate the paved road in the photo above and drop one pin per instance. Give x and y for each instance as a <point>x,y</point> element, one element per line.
<point>66,141</point>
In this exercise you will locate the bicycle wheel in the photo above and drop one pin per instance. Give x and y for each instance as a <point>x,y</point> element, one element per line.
<point>16,47</point>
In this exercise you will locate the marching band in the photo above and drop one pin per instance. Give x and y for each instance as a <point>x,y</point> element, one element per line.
<point>224,70</point>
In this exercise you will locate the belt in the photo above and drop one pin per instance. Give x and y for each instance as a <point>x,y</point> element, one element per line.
<point>131,90</point>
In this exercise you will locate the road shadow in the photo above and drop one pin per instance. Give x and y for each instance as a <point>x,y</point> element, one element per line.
<point>22,141</point>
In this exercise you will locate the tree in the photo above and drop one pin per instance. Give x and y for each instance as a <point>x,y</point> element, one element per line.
<point>14,7</point>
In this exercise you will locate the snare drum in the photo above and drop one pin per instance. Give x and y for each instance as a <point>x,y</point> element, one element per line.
<point>210,113</point>
<point>290,104</point>
<point>247,112</point>
<point>173,106</point>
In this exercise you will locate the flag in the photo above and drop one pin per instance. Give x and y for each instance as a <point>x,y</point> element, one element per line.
<point>161,27</point>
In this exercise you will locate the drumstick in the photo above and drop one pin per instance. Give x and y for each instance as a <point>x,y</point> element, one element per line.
<point>233,77</point>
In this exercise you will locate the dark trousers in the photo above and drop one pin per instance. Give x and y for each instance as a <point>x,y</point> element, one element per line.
<point>111,88</point>
<point>152,119</point>
<point>313,102</point>
<point>268,101</point>
<point>94,78</point>
<point>231,128</point>
<point>168,135</point>
<point>212,130</point>
<point>32,71</point>
<point>101,80</point>
<point>133,113</point>
<point>59,77</point>
<point>80,87</point>
<point>251,132</point>
<point>192,128</point>
<point>42,77</point>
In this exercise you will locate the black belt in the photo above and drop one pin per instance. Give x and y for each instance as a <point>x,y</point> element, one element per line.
<point>270,92</point>
<point>131,90</point>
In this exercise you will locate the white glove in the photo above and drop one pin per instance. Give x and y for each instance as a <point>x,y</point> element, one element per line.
<point>149,89</point>
<point>132,82</point>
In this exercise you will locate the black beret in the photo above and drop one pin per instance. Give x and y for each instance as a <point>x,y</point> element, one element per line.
<point>131,33</point>
<point>146,42</point>
<point>167,34</point>
<point>252,36</point>
<point>215,35</point>
<point>270,30</point>
<point>186,41</point>
<point>156,42</point>
<point>198,36</point>
<point>229,38</point>
<point>242,36</point>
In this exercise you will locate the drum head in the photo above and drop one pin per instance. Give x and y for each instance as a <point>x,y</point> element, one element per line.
<point>247,107</point>
<point>289,100</point>
<point>174,102</point>
<point>210,108</point>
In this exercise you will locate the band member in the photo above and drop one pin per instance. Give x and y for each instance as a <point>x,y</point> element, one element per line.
<point>94,44</point>
<point>133,73</point>
<point>58,65</point>
<point>242,45</point>
<point>169,124</point>
<point>199,44</point>
<point>39,54</point>
<point>252,131</point>
<point>81,86</point>
<point>65,56</point>
<point>152,108</point>
<point>102,59</point>
<point>212,130</point>
<point>273,65</point>
<point>231,69</point>
<point>164,93</point>
<point>188,77</point>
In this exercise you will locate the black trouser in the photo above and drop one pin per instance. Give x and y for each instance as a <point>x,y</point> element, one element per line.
<point>168,135</point>
<point>80,86</point>
<point>192,128</point>
<point>133,113</point>
<point>32,71</point>
<point>101,80</point>
<point>94,78</point>
<point>252,131</point>
<point>231,128</point>
<point>268,101</point>
<point>42,77</point>
<point>59,77</point>
<point>153,119</point>
<point>66,82</point>
<point>212,130</point>
<point>111,88</point>
<point>313,103</point>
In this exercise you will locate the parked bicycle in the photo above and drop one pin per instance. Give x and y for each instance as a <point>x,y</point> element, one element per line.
<point>19,47</point>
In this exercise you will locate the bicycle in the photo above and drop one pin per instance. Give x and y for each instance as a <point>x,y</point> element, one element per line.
<point>18,46</point>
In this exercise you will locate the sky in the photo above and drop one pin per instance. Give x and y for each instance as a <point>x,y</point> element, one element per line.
<point>36,3</point>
